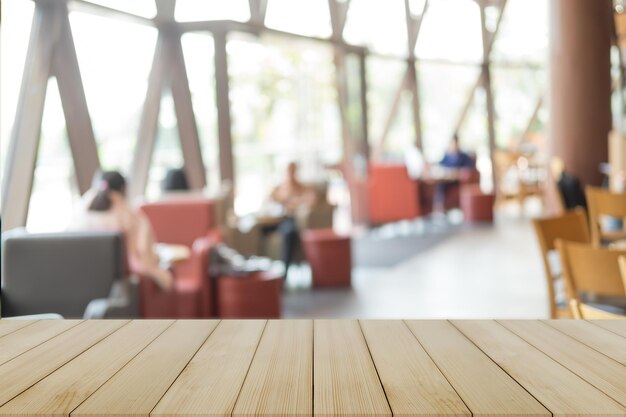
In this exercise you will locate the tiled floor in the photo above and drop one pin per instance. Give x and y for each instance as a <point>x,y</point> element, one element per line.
<point>479,272</point>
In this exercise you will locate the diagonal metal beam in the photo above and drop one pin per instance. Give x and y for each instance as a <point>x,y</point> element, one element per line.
<point>148,125</point>
<point>222,93</point>
<point>258,9</point>
<point>187,127</point>
<point>78,122</point>
<point>22,154</point>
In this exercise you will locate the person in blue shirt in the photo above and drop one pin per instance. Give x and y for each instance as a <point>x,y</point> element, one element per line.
<point>455,158</point>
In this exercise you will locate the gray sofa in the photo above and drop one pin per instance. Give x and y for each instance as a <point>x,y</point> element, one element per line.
<point>75,275</point>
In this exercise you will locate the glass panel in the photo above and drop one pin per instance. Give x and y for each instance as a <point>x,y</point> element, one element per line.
<point>196,10</point>
<point>304,17</point>
<point>516,93</point>
<point>444,91</point>
<point>523,34</point>
<point>199,53</point>
<point>402,130</point>
<point>384,77</point>
<point>379,25</point>
<point>145,8</point>
<point>54,191</point>
<point>18,16</point>
<point>284,108</point>
<point>451,31</point>
<point>167,152</point>
<point>115,70</point>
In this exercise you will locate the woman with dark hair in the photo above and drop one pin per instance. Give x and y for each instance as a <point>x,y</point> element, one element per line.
<point>106,208</point>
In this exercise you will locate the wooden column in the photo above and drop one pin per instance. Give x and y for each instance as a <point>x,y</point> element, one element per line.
<point>580,85</point>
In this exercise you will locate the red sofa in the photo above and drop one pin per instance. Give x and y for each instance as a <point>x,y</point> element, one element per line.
<point>392,195</point>
<point>190,223</point>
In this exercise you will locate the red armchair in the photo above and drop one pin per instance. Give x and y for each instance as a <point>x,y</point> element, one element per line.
<point>180,221</point>
<point>393,196</point>
<point>189,223</point>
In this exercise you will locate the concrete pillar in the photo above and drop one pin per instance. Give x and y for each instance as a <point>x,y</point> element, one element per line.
<point>580,85</point>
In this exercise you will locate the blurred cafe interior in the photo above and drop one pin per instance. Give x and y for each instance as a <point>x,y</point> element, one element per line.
<point>313,158</point>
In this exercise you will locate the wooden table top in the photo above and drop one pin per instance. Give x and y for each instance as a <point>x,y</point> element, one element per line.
<point>305,367</point>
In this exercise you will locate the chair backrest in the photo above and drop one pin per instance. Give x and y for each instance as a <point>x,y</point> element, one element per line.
<point>393,195</point>
<point>600,203</point>
<point>591,270</point>
<point>180,221</point>
<point>586,312</point>
<point>571,226</point>
<point>58,272</point>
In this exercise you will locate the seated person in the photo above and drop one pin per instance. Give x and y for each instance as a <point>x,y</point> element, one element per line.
<point>454,159</point>
<point>105,208</point>
<point>291,195</point>
<point>175,180</point>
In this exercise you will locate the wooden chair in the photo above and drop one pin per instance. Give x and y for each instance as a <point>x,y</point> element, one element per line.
<point>571,226</point>
<point>592,272</point>
<point>587,312</point>
<point>605,203</point>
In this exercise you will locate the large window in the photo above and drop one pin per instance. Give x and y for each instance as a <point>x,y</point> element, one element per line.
<point>445,90</point>
<point>304,17</point>
<point>54,193</point>
<point>284,108</point>
<point>115,58</point>
<point>13,47</point>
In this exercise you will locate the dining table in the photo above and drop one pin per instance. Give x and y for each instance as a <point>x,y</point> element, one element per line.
<point>312,367</point>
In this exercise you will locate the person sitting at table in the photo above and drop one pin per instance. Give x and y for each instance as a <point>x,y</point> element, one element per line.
<point>291,195</point>
<point>454,159</point>
<point>105,208</point>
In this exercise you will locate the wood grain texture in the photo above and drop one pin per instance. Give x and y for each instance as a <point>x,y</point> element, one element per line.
<point>9,326</point>
<point>599,370</point>
<point>602,340</point>
<point>615,326</point>
<point>64,390</point>
<point>137,388</point>
<point>280,379</point>
<point>555,386</point>
<point>412,382</point>
<point>345,379</point>
<point>28,337</point>
<point>485,388</point>
<point>35,364</point>
<point>210,384</point>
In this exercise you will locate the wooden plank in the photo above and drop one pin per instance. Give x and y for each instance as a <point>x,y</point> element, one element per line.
<point>599,370</point>
<point>137,388</point>
<point>344,375</point>
<point>29,368</point>
<point>485,388</point>
<point>209,385</point>
<point>280,379</point>
<point>27,338</point>
<point>602,340</point>
<point>10,326</point>
<point>413,383</point>
<point>558,389</point>
<point>615,326</point>
<point>66,388</point>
